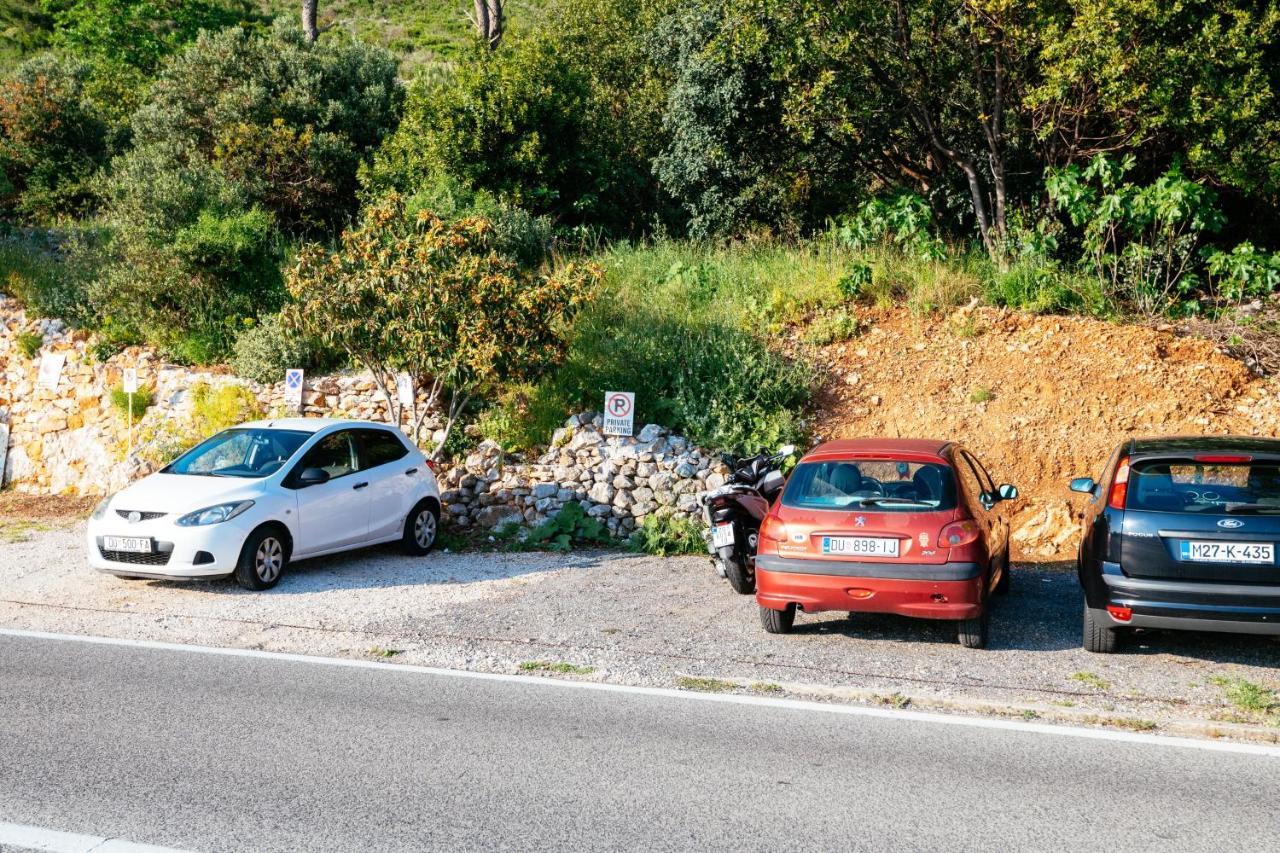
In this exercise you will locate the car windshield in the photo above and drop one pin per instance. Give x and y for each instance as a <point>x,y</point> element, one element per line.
<point>240,452</point>
<point>889,485</point>
<point>1203,487</point>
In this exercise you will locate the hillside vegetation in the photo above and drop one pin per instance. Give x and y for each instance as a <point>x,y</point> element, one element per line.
<point>693,200</point>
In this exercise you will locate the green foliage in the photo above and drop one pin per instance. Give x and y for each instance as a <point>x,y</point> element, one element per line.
<point>52,139</point>
<point>1140,240</point>
<point>1243,273</point>
<point>45,284</point>
<point>668,536</point>
<point>139,34</point>
<point>142,400</point>
<point>29,344</point>
<point>902,222</point>
<point>855,282</point>
<point>523,417</point>
<point>413,293</point>
<point>832,327</point>
<point>568,527</point>
<point>517,234</point>
<point>287,122</point>
<point>265,350</point>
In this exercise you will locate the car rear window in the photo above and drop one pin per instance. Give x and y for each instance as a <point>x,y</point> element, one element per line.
<point>1204,487</point>
<point>890,485</point>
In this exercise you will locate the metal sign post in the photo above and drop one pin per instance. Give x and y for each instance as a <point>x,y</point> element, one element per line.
<point>131,388</point>
<point>619,413</point>
<point>293,388</point>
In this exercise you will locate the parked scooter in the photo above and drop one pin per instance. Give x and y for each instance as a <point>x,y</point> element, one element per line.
<point>734,512</point>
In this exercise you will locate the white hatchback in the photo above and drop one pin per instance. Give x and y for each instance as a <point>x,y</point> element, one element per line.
<point>251,498</point>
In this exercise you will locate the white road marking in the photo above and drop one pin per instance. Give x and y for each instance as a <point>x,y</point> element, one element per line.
<point>51,840</point>
<point>688,695</point>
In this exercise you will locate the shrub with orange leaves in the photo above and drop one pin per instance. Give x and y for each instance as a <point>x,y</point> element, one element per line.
<point>412,293</point>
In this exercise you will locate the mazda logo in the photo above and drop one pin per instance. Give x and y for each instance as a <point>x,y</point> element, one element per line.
<point>1231,523</point>
<point>135,517</point>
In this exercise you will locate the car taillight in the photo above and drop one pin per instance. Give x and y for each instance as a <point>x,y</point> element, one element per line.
<point>431,463</point>
<point>958,533</point>
<point>773,530</point>
<point>1120,614</point>
<point>1119,486</point>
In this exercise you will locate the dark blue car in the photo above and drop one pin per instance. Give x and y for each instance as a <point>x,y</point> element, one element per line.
<point>1182,533</point>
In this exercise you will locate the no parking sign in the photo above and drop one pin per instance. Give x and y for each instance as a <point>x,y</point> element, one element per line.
<point>619,412</point>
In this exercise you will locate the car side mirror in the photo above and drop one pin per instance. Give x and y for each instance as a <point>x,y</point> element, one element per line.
<point>1084,485</point>
<point>313,477</point>
<point>1008,492</point>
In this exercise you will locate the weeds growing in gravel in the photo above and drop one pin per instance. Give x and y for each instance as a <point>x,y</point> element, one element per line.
<point>705,685</point>
<point>666,536</point>
<point>556,666</point>
<point>1248,696</point>
<point>1090,679</point>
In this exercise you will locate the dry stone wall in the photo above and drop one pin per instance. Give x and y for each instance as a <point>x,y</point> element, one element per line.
<point>72,440</point>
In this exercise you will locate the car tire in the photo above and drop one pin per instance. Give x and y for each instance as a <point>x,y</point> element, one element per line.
<point>421,528</point>
<point>1099,637</point>
<point>1006,578</point>
<point>778,621</point>
<point>973,633</point>
<point>263,559</point>
<point>740,578</point>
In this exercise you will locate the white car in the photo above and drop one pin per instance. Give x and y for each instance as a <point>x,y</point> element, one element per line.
<point>250,499</point>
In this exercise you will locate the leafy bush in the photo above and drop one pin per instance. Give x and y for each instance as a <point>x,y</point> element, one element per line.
<point>52,139</point>
<point>523,418</point>
<point>142,400</point>
<point>45,283</point>
<point>265,350</point>
<point>29,344</point>
<point>517,234</point>
<point>1243,273</point>
<point>832,327</point>
<point>667,536</point>
<point>1139,240</point>
<point>902,221</point>
<point>855,282</point>
<point>568,527</point>
<point>287,122</point>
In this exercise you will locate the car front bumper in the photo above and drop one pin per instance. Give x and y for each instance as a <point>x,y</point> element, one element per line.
<point>178,552</point>
<point>923,591</point>
<point>1190,605</point>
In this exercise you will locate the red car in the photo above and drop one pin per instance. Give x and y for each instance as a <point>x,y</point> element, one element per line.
<point>881,525</point>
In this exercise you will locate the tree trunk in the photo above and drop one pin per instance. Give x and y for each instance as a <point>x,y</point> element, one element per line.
<point>309,20</point>
<point>490,21</point>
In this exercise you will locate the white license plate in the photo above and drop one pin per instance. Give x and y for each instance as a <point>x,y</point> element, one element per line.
<point>130,544</point>
<point>1229,552</point>
<point>860,546</point>
<point>722,535</point>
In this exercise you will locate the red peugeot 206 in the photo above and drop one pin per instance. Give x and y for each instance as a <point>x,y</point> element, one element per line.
<point>904,526</point>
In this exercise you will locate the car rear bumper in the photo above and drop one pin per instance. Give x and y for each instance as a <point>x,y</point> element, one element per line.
<point>1192,605</point>
<point>943,591</point>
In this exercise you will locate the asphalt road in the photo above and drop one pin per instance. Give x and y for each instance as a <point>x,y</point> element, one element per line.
<point>212,752</point>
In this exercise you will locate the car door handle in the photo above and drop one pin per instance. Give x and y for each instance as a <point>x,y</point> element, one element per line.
<point>359,485</point>
<point>411,472</point>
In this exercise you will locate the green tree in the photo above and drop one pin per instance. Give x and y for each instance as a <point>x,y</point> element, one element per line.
<point>52,140</point>
<point>411,293</point>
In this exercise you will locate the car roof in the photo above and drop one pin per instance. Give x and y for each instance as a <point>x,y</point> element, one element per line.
<point>1175,444</point>
<point>927,447</point>
<point>312,424</point>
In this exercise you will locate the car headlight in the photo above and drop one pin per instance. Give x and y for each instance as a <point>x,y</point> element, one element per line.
<point>100,510</point>
<point>214,514</point>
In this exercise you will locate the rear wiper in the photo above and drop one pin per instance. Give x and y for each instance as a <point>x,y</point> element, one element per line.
<point>893,501</point>
<point>1234,508</point>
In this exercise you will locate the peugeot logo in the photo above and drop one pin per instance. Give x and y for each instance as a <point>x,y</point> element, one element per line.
<point>135,517</point>
<point>1231,523</point>
<point>861,521</point>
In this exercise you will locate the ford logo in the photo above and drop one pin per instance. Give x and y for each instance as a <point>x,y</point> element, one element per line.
<point>1231,523</point>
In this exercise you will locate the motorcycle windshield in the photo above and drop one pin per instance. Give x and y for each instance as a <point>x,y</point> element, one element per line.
<point>880,485</point>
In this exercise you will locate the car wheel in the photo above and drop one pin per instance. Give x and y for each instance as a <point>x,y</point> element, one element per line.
<point>1099,637</point>
<point>740,578</point>
<point>420,529</point>
<point>778,621</point>
<point>972,633</point>
<point>262,560</point>
<point>1006,578</point>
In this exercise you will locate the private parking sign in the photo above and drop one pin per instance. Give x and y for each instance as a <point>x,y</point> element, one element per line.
<point>619,412</point>
<point>293,387</point>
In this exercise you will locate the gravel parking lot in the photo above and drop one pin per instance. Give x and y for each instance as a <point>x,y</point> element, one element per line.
<point>631,619</point>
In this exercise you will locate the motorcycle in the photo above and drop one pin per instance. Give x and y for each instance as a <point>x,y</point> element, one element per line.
<point>734,511</point>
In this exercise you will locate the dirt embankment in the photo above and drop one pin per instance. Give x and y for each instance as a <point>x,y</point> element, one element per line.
<point>1039,399</point>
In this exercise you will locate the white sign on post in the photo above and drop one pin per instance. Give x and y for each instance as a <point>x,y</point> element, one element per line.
<point>51,369</point>
<point>131,380</point>
<point>293,387</point>
<point>404,389</point>
<point>619,412</point>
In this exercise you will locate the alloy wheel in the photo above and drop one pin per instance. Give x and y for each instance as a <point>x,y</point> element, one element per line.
<point>269,559</point>
<point>424,529</point>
